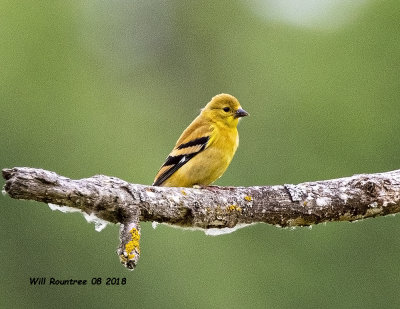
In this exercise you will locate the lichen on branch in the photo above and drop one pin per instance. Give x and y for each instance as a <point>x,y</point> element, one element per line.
<point>117,201</point>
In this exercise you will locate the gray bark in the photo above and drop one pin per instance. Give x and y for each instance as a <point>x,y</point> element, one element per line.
<point>117,201</point>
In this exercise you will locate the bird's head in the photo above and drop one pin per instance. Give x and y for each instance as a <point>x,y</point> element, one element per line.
<point>225,109</point>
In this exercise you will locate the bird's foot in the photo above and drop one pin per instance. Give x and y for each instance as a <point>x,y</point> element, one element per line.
<point>211,188</point>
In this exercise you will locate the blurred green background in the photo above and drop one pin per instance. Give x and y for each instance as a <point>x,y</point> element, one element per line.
<point>106,87</point>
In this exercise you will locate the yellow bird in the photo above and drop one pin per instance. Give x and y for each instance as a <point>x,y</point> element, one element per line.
<point>205,149</point>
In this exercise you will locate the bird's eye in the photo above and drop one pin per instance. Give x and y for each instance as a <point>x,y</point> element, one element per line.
<point>226,109</point>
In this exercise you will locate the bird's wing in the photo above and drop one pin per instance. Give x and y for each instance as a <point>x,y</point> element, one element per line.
<point>179,156</point>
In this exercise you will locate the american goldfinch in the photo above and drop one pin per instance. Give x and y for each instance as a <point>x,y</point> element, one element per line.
<point>206,148</point>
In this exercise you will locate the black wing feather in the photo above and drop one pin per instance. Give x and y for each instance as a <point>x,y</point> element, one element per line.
<point>177,162</point>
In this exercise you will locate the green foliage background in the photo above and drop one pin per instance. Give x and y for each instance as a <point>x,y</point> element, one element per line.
<point>106,87</point>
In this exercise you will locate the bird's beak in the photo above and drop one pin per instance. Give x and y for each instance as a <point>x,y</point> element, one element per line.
<point>241,113</point>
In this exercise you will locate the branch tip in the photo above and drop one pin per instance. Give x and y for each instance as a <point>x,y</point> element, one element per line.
<point>129,248</point>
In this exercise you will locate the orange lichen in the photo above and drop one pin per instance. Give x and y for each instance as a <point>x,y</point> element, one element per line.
<point>247,198</point>
<point>183,192</point>
<point>133,245</point>
<point>231,208</point>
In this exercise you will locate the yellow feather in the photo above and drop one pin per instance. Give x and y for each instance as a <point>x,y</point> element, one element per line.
<point>206,148</point>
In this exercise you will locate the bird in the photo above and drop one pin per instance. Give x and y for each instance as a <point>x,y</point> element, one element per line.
<point>206,147</point>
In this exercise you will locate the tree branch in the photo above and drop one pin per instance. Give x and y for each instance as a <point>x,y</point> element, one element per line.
<point>117,201</point>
